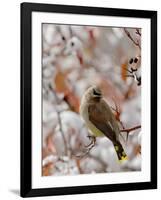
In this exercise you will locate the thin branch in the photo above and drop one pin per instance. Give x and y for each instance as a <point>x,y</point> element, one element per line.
<point>131,38</point>
<point>79,166</point>
<point>62,132</point>
<point>133,75</point>
<point>129,75</point>
<point>138,32</point>
<point>118,113</point>
<point>127,93</point>
<point>131,129</point>
<point>88,148</point>
<point>59,119</point>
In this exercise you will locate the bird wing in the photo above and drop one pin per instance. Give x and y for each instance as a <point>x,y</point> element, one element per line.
<point>100,116</point>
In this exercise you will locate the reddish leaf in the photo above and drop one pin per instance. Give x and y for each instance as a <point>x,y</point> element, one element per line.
<point>72,100</point>
<point>110,91</point>
<point>124,71</point>
<point>60,82</point>
<point>46,170</point>
<point>137,149</point>
<point>50,143</point>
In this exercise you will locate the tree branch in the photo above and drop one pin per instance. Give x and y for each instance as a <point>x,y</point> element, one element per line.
<point>117,111</point>
<point>130,129</point>
<point>88,148</point>
<point>138,32</point>
<point>131,38</point>
<point>59,120</point>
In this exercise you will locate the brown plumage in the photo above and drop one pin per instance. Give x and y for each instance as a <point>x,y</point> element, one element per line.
<point>100,119</point>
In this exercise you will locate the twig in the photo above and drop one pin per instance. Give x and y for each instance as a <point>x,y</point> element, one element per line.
<point>92,138</point>
<point>88,148</point>
<point>127,93</point>
<point>117,116</point>
<point>129,75</point>
<point>133,75</point>
<point>78,166</point>
<point>118,113</point>
<point>130,129</point>
<point>130,37</point>
<point>62,132</point>
<point>59,120</point>
<point>138,32</point>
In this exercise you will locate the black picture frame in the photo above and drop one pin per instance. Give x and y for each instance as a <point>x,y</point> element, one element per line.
<point>26,103</point>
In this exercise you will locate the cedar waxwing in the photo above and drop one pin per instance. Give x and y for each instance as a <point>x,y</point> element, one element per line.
<point>100,120</point>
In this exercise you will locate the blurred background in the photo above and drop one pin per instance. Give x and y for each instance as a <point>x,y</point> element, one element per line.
<point>74,58</point>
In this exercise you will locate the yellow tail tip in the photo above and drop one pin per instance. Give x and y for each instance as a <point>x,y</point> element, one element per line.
<point>123,158</point>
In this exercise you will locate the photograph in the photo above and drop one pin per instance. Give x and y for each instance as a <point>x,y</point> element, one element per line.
<point>91,99</point>
<point>88,99</point>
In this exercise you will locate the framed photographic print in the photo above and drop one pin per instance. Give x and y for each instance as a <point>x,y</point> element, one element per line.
<point>88,99</point>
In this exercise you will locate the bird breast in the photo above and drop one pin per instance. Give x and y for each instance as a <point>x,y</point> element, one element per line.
<point>92,128</point>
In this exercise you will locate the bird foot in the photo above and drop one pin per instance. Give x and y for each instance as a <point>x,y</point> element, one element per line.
<point>92,141</point>
<point>88,147</point>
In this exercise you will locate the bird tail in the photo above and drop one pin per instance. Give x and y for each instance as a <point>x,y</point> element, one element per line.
<point>120,151</point>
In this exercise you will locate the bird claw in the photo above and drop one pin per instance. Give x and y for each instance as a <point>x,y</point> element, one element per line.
<point>92,141</point>
<point>88,147</point>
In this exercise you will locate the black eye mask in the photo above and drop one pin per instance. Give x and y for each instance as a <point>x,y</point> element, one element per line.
<point>96,93</point>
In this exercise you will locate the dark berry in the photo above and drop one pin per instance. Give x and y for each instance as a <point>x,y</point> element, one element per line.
<point>131,61</point>
<point>63,38</point>
<point>135,60</point>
